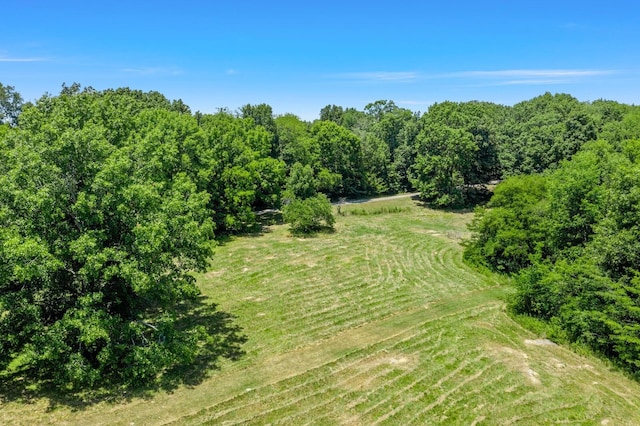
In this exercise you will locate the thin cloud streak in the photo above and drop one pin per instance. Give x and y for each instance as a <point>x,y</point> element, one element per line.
<point>533,73</point>
<point>22,59</point>
<point>531,82</point>
<point>529,77</point>
<point>514,76</point>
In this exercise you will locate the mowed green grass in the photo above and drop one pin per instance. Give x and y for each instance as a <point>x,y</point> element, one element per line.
<point>379,322</point>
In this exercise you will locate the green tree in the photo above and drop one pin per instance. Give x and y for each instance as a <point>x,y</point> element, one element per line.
<point>101,230</point>
<point>623,126</point>
<point>376,162</point>
<point>397,129</point>
<point>380,108</point>
<point>445,157</point>
<point>242,176</point>
<point>482,120</point>
<point>301,183</point>
<point>295,144</point>
<point>576,196</point>
<point>10,105</point>
<point>332,113</point>
<point>262,115</point>
<point>341,155</point>
<point>512,228</point>
<point>543,131</point>
<point>572,240</point>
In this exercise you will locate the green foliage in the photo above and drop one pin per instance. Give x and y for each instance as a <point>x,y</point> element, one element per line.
<point>10,105</point>
<point>543,131</point>
<point>511,229</point>
<point>301,183</point>
<point>332,113</point>
<point>376,160</point>
<point>456,152</point>
<point>262,115</point>
<point>586,306</point>
<point>574,242</point>
<point>483,121</point>
<point>103,219</point>
<point>241,175</point>
<point>376,211</point>
<point>295,142</point>
<point>380,108</point>
<point>341,155</point>
<point>309,215</point>
<point>576,193</point>
<point>109,200</point>
<point>620,123</point>
<point>445,156</point>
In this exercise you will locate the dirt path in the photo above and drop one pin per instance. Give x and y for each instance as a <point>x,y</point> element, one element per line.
<point>356,201</point>
<point>370,200</point>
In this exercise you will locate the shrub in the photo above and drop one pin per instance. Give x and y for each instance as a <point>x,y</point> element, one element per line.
<point>309,215</point>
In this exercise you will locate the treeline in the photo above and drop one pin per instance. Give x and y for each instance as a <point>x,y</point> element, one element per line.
<point>110,199</point>
<point>571,237</point>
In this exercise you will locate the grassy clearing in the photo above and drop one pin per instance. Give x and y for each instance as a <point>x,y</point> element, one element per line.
<point>377,323</point>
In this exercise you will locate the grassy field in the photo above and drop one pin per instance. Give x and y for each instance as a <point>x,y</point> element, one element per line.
<point>377,323</point>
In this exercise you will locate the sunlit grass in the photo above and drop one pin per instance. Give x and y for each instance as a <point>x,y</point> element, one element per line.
<point>379,322</point>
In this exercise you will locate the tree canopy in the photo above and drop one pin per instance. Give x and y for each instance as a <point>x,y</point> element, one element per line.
<point>572,239</point>
<point>110,200</point>
<point>103,221</point>
<point>10,105</point>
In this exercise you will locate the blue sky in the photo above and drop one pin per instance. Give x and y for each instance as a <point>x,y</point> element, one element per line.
<point>300,56</point>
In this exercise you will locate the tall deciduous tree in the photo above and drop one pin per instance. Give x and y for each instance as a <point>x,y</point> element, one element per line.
<point>262,115</point>
<point>340,154</point>
<point>295,144</point>
<point>242,176</point>
<point>102,224</point>
<point>445,157</point>
<point>543,131</point>
<point>10,105</point>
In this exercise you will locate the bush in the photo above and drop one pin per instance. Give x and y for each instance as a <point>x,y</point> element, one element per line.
<point>309,215</point>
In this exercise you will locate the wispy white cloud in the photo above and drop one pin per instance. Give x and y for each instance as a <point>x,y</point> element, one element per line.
<point>380,76</point>
<point>480,78</point>
<point>231,71</point>
<point>12,59</point>
<point>153,70</point>
<point>533,74</point>
<point>531,82</point>
<point>526,77</point>
<point>483,77</point>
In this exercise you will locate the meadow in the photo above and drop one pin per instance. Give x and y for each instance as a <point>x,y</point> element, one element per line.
<point>378,322</point>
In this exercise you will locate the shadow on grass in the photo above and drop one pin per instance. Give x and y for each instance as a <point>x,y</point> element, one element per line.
<point>474,196</point>
<point>326,230</point>
<point>263,221</point>
<point>225,340</point>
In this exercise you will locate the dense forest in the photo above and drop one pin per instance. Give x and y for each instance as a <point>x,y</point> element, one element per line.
<point>110,199</point>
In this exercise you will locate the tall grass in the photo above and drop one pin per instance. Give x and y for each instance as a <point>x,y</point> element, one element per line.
<point>368,211</point>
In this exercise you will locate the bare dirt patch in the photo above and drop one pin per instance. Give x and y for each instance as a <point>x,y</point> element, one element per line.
<point>516,360</point>
<point>214,274</point>
<point>370,371</point>
<point>540,342</point>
